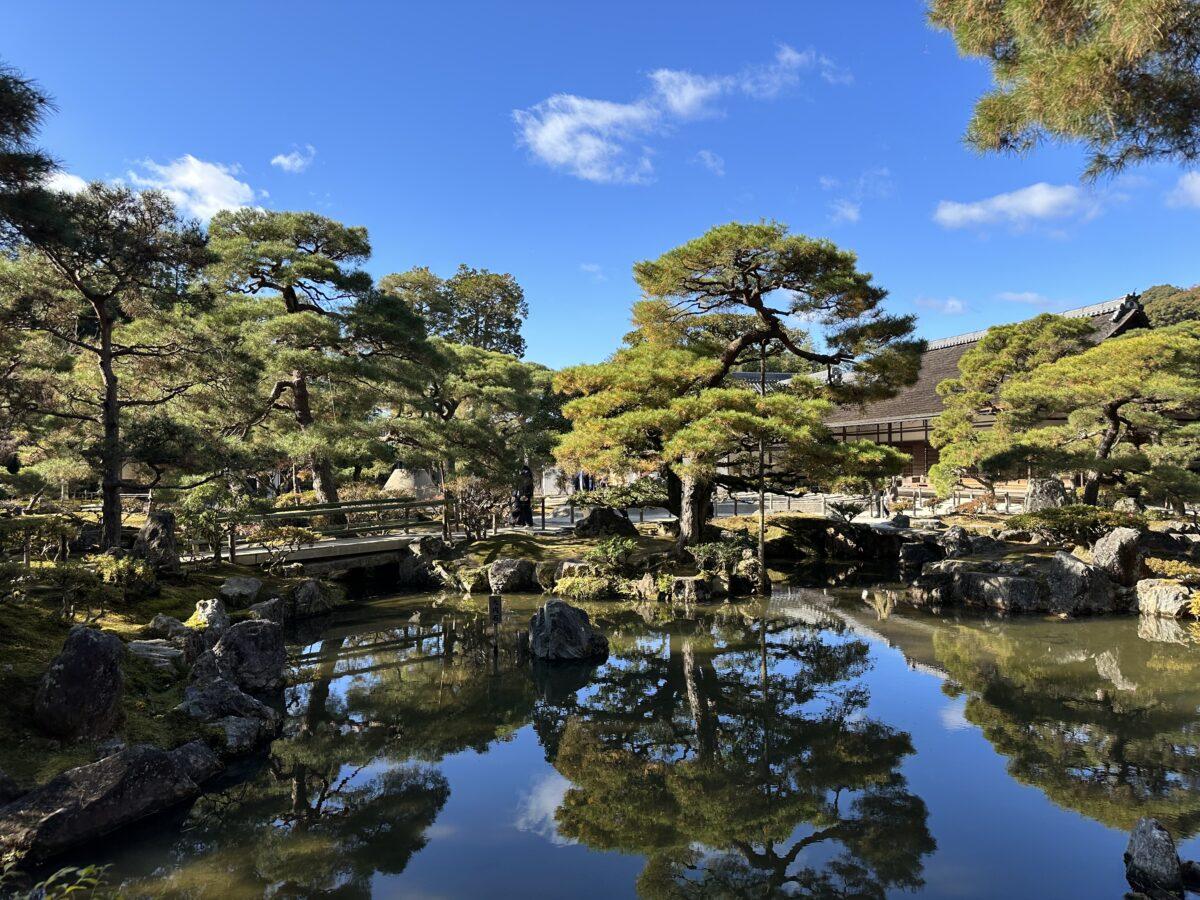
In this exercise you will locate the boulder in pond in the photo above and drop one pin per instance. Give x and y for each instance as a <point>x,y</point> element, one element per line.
<point>88,802</point>
<point>1075,587</point>
<point>1162,631</point>
<point>1163,597</point>
<point>563,633</point>
<point>605,522</point>
<point>1045,493</point>
<point>156,542</point>
<point>80,694</point>
<point>311,599</point>
<point>511,576</point>
<point>1118,555</point>
<point>691,589</point>
<point>215,698</point>
<point>245,734</point>
<point>1151,861</point>
<point>240,590</point>
<point>251,655</point>
<point>547,573</point>
<point>646,589</point>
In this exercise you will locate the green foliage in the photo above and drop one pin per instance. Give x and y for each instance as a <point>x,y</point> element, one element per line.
<point>639,493</point>
<point>1166,304</point>
<point>719,557</point>
<point>1076,523</point>
<point>1120,77</point>
<point>986,455</point>
<point>585,588</point>
<point>473,307</point>
<point>69,881</point>
<point>611,557</point>
<point>127,575</point>
<point>23,166</point>
<point>279,542</point>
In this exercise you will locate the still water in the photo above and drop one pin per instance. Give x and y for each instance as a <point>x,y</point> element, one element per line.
<point>819,746</point>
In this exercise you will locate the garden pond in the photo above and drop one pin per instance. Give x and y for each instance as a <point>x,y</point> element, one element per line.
<point>822,744</point>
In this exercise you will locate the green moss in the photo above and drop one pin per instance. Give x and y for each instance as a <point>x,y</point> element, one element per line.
<point>549,547</point>
<point>585,587</point>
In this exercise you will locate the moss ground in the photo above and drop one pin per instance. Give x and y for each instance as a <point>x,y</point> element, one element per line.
<point>31,635</point>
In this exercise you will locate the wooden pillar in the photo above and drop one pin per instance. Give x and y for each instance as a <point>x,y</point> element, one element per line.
<point>233,543</point>
<point>543,513</point>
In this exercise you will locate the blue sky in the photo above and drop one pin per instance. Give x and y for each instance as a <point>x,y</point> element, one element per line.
<point>562,142</point>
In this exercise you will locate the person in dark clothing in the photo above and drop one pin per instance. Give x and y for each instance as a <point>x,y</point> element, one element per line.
<point>524,497</point>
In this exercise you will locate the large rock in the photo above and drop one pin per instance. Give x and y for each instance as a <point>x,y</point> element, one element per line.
<point>605,522</point>
<point>547,573</point>
<point>561,632</point>
<point>915,554</point>
<point>1075,587</point>
<point>273,610</point>
<point>1006,593</point>
<point>80,694</point>
<point>1151,861</point>
<point>415,570</point>
<point>156,543</point>
<point>240,590</point>
<point>1162,631</point>
<point>646,589</point>
<point>211,699</point>
<point>1119,555</point>
<point>88,802</point>
<point>189,640</point>
<point>210,616</point>
<point>1163,597</point>
<point>252,656</point>
<point>1045,493</point>
<point>159,653</point>
<point>691,589</point>
<point>511,576</point>
<point>310,599</point>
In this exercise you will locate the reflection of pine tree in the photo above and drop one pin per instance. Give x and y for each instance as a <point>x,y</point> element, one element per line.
<point>1104,724</point>
<point>724,751</point>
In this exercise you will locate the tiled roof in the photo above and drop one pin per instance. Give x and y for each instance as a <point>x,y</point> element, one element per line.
<point>940,361</point>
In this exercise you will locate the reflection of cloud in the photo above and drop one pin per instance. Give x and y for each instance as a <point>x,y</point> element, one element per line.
<point>535,812</point>
<point>953,715</point>
<point>440,832</point>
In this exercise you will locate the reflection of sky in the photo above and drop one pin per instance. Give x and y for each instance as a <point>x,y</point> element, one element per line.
<point>535,812</point>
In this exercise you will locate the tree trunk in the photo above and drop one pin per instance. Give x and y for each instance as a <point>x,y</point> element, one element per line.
<point>1091,483</point>
<point>110,448</point>
<point>324,482</point>
<point>695,503</point>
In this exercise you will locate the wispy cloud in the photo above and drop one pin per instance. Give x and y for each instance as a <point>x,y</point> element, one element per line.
<point>1037,203</point>
<point>605,141</point>
<point>537,808</point>
<point>197,187</point>
<point>844,211</point>
<point>595,270</point>
<point>711,161</point>
<point>296,161</point>
<point>1032,298</point>
<point>870,184</point>
<point>950,306</point>
<point>1186,191</point>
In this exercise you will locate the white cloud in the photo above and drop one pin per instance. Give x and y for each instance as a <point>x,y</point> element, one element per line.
<point>65,182</point>
<point>195,186</point>
<point>603,140</point>
<point>951,306</point>
<point>1030,297</point>
<point>711,161</point>
<point>296,161</point>
<point>537,808</point>
<point>594,269</point>
<point>1187,191</point>
<point>845,211</point>
<point>832,73</point>
<point>828,182</point>
<point>1039,202</point>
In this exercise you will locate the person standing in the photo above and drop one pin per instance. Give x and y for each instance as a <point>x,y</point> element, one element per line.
<point>525,498</point>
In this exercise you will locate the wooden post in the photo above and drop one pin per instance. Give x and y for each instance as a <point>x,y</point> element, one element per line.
<point>25,554</point>
<point>735,504</point>
<point>789,503</point>
<point>543,512</point>
<point>641,514</point>
<point>572,505</point>
<point>1006,502</point>
<point>233,543</point>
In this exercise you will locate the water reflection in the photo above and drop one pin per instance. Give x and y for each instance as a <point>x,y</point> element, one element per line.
<point>736,757</point>
<point>731,750</point>
<point>1101,715</point>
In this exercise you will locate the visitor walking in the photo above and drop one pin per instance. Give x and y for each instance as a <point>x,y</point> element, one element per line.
<point>524,498</point>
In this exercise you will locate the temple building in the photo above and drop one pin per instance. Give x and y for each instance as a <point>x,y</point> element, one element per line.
<point>904,421</point>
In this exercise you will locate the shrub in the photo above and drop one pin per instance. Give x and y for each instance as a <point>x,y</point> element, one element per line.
<point>129,576</point>
<point>611,556</point>
<point>846,510</point>
<point>1174,568</point>
<point>585,587</point>
<point>280,541</point>
<point>1078,523</point>
<point>977,505</point>
<point>641,493</point>
<point>900,504</point>
<point>719,557</point>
